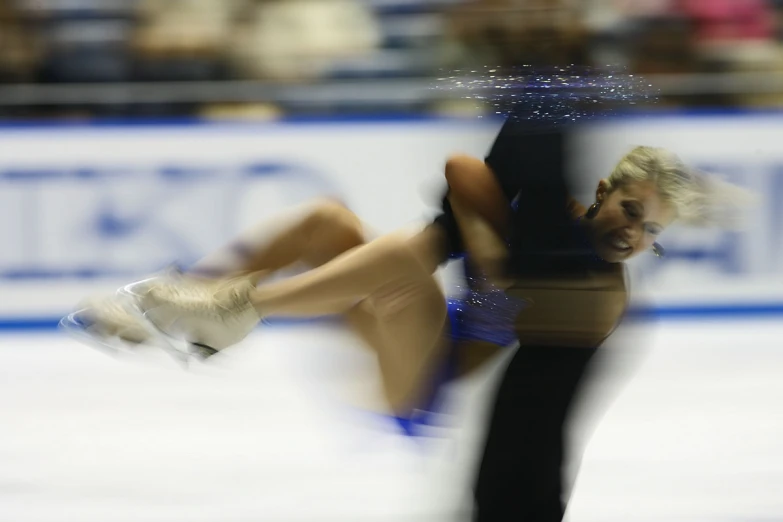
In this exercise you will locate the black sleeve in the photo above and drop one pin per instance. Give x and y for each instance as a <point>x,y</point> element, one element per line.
<point>528,154</point>
<point>531,164</point>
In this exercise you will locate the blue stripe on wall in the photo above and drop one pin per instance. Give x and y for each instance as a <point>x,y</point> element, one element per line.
<point>729,311</point>
<point>671,313</point>
<point>405,118</point>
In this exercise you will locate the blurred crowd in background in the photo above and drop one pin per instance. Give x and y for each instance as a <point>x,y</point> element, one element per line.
<point>93,58</point>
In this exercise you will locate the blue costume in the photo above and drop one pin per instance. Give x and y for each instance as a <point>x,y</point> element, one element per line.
<point>476,315</point>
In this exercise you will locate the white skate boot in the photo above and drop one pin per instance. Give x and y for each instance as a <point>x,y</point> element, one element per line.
<point>209,314</point>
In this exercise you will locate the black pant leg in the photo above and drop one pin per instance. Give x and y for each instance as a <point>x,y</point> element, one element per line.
<point>521,473</point>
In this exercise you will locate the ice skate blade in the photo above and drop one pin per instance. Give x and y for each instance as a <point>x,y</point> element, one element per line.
<point>75,325</point>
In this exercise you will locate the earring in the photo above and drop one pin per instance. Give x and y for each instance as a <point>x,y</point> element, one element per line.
<point>593,210</point>
<point>658,250</point>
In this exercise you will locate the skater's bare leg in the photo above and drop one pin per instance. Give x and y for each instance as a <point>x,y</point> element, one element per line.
<point>405,329</point>
<point>380,267</point>
<point>325,231</point>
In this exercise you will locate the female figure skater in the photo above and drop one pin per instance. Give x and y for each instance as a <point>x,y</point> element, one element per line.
<point>392,300</point>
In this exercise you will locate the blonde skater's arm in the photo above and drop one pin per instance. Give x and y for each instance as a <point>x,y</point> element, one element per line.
<point>475,185</point>
<point>482,215</point>
<point>486,249</point>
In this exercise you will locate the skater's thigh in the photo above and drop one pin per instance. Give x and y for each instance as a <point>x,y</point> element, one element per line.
<point>404,326</point>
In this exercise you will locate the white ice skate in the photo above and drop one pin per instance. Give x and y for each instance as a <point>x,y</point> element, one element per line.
<point>115,325</point>
<point>209,314</point>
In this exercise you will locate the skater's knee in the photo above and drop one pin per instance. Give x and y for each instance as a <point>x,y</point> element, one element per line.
<point>332,230</point>
<point>329,208</point>
<point>332,217</point>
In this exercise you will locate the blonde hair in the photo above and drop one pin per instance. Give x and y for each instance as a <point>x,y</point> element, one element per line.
<point>698,199</point>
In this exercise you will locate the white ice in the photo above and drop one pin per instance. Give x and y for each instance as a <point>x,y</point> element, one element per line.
<point>685,425</point>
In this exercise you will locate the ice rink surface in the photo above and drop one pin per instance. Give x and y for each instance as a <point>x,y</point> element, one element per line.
<point>684,421</point>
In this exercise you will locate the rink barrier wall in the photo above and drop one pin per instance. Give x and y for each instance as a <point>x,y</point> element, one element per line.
<point>83,205</point>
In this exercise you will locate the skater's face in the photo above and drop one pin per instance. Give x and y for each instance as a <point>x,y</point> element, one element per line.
<point>629,220</point>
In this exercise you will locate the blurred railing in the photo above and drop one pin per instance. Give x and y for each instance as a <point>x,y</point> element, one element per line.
<point>389,92</point>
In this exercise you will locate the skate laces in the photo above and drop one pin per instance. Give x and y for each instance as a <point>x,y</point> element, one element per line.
<point>202,298</point>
